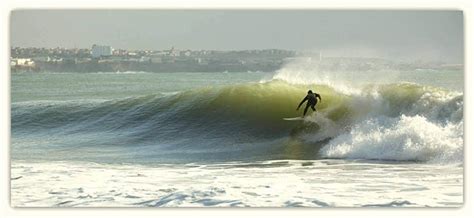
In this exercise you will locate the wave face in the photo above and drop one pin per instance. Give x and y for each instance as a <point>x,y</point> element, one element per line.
<point>402,121</point>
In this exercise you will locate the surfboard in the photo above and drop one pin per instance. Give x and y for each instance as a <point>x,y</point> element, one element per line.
<point>293,118</point>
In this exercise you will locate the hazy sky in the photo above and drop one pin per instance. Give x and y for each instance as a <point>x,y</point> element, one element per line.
<point>427,35</point>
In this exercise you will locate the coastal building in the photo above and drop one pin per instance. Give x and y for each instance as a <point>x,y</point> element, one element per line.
<point>186,53</point>
<point>119,52</point>
<point>101,51</point>
<point>173,52</point>
<point>22,62</point>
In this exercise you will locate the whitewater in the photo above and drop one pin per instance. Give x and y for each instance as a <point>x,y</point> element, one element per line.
<point>379,138</point>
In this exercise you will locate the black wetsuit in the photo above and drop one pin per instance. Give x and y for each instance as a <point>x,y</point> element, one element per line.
<point>312,99</point>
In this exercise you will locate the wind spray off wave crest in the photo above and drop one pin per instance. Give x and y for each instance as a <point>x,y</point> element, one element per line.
<point>345,75</point>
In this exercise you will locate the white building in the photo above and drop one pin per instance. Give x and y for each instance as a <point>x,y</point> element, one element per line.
<point>27,62</point>
<point>101,51</point>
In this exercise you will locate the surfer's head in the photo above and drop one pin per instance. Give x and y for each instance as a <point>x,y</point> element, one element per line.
<point>310,92</point>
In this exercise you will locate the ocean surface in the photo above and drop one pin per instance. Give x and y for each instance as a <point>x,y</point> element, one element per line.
<point>133,139</point>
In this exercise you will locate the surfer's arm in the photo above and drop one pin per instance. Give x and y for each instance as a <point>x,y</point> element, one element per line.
<point>318,96</point>
<point>304,99</point>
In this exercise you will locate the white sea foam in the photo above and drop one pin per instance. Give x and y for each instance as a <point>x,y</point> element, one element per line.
<point>412,138</point>
<point>430,130</point>
<point>283,183</point>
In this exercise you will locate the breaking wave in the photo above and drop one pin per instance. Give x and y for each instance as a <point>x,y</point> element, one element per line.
<point>370,120</point>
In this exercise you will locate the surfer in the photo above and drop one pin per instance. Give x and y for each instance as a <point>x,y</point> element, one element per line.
<point>312,99</point>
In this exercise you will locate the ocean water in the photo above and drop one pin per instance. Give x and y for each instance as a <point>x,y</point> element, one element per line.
<point>133,139</point>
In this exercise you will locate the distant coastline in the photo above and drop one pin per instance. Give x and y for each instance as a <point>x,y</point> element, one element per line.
<point>146,67</point>
<point>173,60</point>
